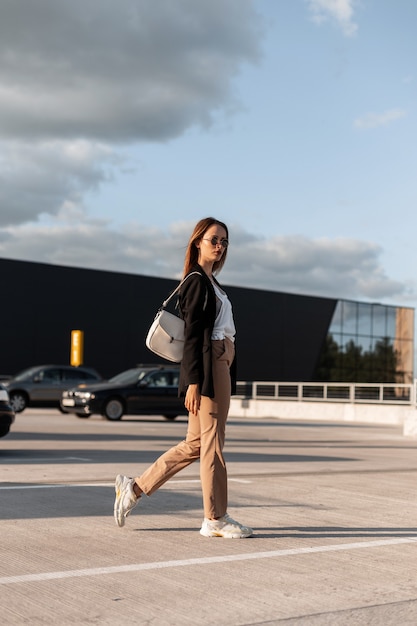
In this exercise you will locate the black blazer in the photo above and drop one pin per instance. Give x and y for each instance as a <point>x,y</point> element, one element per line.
<point>197,305</point>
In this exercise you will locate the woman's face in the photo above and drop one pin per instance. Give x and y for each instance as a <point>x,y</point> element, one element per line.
<point>212,245</point>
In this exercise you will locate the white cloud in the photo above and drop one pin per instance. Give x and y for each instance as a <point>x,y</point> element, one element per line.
<point>341,11</point>
<point>81,80</point>
<point>120,71</point>
<point>41,177</point>
<point>344,268</point>
<point>373,120</point>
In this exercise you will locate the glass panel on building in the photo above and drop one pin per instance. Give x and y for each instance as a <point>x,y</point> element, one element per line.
<point>336,323</point>
<point>364,319</point>
<point>350,318</point>
<point>370,343</point>
<point>392,312</point>
<point>349,343</point>
<point>379,318</point>
<point>337,340</point>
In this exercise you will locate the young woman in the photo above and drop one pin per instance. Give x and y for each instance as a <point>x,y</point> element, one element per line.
<point>207,379</point>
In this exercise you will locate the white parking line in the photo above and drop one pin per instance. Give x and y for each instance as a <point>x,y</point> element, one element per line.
<point>98,484</point>
<point>24,460</point>
<point>53,486</point>
<point>140,567</point>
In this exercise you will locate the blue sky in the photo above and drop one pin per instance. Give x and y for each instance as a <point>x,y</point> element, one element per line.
<point>122,124</point>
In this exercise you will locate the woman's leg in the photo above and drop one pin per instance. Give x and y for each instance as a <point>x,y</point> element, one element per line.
<point>213,416</point>
<point>172,461</point>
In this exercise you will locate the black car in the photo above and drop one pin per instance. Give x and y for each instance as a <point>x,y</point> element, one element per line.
<point>42,385</point>
<point>144,390</point>
<point>6,412</point>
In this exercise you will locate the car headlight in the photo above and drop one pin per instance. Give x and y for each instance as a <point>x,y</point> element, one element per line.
<point>84,395</point>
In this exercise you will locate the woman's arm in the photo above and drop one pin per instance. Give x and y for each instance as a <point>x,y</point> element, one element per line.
<point>193,300</point>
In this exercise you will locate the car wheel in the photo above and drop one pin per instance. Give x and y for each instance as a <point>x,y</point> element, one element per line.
<point>83,415</point>
<point>18,401</point>
<point>113,409</point>
<point>170,417</point>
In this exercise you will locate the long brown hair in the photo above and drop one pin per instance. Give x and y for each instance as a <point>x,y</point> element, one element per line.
<point>191,255</point>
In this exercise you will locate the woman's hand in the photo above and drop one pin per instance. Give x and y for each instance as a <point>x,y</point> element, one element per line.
<point>192,399</point>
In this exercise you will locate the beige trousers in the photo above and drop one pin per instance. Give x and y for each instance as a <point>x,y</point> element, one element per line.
<point>204,440</point>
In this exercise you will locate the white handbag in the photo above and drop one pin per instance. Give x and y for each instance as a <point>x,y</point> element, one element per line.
<point>166,334</point>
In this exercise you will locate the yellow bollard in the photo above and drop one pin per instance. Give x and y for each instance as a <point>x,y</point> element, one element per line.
<point>77,347</point>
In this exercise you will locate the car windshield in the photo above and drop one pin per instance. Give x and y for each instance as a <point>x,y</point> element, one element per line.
<point>26,373</point>
<point>128,377</point>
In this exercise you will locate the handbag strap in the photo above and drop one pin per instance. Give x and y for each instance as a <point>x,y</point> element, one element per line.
<point>165,302</point>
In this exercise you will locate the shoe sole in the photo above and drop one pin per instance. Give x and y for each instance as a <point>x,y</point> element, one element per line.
<point>118,518</point>
<point>226,535</point>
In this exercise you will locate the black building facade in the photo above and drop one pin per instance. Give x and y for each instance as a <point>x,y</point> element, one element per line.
<point>280,336</point>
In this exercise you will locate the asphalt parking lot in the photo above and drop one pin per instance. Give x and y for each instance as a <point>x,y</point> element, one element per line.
<point>333,506</point>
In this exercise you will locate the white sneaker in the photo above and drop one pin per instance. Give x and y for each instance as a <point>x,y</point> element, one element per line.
<point>126,499</point>
<point>225,527</point>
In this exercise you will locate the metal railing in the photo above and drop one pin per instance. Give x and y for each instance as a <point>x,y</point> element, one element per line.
<point>386,393</point>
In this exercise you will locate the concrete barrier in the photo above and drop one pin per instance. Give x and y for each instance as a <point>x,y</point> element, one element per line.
<point>329,411</point>
<point>410,423</point>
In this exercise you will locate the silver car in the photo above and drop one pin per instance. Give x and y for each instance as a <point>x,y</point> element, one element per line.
<point>42,385</point>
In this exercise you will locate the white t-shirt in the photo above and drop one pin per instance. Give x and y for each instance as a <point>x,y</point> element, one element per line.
<point>224,325</point>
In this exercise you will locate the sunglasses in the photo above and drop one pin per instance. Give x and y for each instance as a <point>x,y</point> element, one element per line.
<point>215,241</point>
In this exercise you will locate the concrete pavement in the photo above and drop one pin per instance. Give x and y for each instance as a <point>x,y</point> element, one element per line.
<point>333,506</point>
